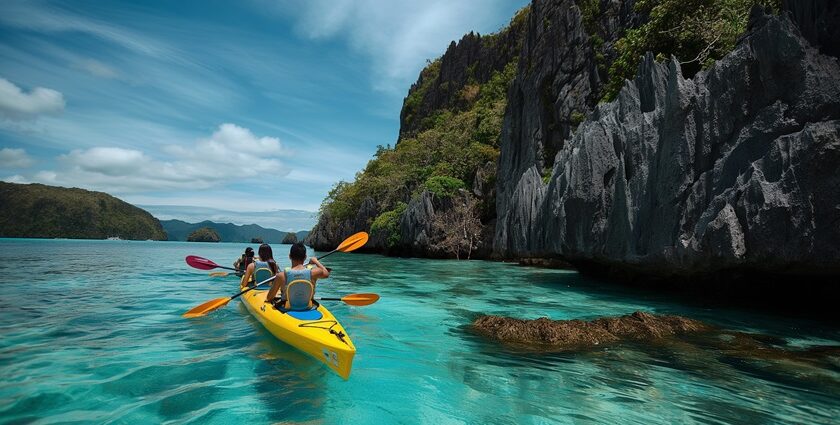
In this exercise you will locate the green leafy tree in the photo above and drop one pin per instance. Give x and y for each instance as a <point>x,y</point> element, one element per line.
<point>696,32</point>
<point>388,223</point>
<point>443,186</point>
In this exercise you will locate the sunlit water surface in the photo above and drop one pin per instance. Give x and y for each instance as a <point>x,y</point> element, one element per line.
<point>92,333</point>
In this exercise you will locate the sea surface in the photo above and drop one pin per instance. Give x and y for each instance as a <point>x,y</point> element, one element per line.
<point>91,332</point>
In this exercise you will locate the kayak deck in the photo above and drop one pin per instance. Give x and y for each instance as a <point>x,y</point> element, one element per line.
<point>322,338</point>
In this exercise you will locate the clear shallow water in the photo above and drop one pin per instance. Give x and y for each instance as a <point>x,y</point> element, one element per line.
<point>100,339</point>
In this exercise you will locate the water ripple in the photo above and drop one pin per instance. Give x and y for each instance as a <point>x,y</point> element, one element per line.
<point>103,341</point>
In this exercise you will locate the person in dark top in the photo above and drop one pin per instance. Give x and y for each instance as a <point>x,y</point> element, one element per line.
<point>242,262</point>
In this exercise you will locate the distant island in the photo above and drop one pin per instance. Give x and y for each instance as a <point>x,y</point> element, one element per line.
<point>41,211</point>
<point>204,234</point>
<point>290,238</point>
<point>178,230</point>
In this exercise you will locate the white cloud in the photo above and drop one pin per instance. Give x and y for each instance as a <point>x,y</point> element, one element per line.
<point>230,154</point>
<point>17,178</point>
<point>14,158</point>
<point>108,161</point>
<point>96,68</point>
<point>398,36</point>
<point>16,104</point>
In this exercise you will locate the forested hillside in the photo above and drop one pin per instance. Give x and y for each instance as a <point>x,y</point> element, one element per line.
<point>40,211</point>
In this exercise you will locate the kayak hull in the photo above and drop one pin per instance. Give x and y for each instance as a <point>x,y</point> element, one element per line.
<point>323,338</point>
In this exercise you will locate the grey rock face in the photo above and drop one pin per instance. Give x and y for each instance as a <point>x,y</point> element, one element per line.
<point>328,233</point>
<point>735,168</point>
<point>416,226</point>
<point>558,77</point>
<point>473,58</point>
<point>817,21</point>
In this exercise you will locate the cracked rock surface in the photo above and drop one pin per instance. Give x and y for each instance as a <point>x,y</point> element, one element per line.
<point>736,168</point>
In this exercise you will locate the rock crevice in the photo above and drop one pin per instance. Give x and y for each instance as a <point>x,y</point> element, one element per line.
<point>734,168</point>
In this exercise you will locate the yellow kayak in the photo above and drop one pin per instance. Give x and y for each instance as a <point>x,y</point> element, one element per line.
<point>315,332</point>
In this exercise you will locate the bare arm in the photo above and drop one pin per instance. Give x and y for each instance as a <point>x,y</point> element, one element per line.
<point>249,272</point>
<point>279,282</point>
<point>319,272</point>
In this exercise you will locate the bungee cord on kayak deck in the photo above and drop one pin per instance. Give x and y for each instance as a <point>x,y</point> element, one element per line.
<point>340,335</point>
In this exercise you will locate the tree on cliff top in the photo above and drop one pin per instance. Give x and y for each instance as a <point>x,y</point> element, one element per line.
<point>697,32</point>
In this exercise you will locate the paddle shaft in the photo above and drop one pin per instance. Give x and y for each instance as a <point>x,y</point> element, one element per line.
<point>272,277</point>
<point>254,287</point>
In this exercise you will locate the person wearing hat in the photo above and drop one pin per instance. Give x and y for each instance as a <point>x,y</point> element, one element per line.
<point>242,262</point>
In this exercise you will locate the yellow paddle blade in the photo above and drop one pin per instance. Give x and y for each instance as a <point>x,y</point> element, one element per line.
<point>360,299</point>
<point>207,307</point>
<point>354,242</point>
<point>218,274</point>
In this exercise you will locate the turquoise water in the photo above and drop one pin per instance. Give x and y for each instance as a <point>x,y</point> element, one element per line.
<point>95,335</point>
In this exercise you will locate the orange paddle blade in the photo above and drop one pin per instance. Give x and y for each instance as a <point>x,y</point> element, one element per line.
<point>207,307</point>
<point>354,242</point>
<point>360,299</point>
<point>218,274</point>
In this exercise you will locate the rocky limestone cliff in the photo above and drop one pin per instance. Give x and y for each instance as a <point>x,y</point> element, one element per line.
<point>472,60</point>
<point>817,22</point>
<point>733,169</point>
<point>328,233</point>
<point>558,77</point>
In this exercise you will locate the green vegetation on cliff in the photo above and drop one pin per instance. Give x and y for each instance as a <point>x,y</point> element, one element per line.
<point>204,234</point>
<point>428,77</point>
<point>388,222</point>
<point>447,153</point>
<point>40,211</point>
<point>697,32</point>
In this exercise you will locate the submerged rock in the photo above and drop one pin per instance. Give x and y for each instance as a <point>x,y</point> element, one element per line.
<point>562,335</point>
<point>656,334</point>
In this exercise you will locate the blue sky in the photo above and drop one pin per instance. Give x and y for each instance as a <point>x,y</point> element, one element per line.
<point>244,106</point>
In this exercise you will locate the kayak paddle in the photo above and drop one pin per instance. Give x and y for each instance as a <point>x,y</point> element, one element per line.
<point>202,263</point>
<point>355,299</point>
<point>218,303</point>
<point>219,274</point>
<point>352,243</point>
